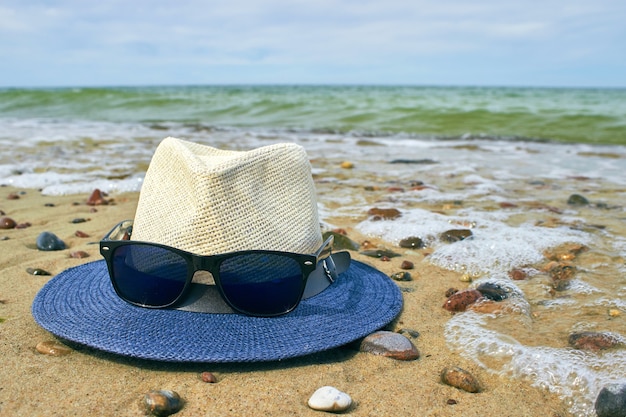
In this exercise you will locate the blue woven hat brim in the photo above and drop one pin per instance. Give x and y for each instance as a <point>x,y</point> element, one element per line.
<point>80,305</point>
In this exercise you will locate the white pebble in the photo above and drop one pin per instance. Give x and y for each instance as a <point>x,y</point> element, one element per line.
<point>330,399</point>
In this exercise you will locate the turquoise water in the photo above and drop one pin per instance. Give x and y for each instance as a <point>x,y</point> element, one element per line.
<point>566,115</point>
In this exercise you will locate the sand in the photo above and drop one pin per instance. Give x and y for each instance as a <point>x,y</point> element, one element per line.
<point>87,382</point>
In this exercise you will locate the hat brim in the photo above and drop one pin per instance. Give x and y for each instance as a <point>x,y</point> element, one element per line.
<point>81,306</point>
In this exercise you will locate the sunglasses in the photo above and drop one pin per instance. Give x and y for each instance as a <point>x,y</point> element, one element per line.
<point>253,282</point>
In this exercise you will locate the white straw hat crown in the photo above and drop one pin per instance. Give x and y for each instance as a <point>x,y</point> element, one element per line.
<point>207,201</point>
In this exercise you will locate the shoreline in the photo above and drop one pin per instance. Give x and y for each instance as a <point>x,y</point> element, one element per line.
<point>90,382</point>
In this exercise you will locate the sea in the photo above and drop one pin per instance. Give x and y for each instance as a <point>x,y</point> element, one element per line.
<point>528,170</point>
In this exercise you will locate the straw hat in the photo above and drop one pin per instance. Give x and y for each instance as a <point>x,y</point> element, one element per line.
<point>208,201</point>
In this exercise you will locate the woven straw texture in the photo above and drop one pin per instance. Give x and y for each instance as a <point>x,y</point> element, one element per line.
<point>208,201</point>
<point>80,305</point>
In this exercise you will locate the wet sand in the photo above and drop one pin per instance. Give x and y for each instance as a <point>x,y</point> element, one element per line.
<point>90,382</point>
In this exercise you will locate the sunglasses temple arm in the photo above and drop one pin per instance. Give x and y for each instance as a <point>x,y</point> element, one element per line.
<point>121,231</point>
<point>319,280</point>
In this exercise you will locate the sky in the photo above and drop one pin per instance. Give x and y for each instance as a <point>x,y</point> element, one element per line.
<point>555,43</point>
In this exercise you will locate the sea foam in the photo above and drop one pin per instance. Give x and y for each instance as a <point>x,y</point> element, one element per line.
<point>493,248</point>
<point>573,375</point>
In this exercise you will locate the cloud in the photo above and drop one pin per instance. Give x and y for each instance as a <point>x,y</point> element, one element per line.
<point>113,36</point>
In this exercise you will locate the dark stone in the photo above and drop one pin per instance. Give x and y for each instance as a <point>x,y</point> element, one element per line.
<point>48,241</point>
<point>455,235</point>
<point>493,291</point>
<point>414,161</point>
<point>380,253</point>
<point>577,200</point>
<point>341,242</point>
<point>611,401</point>
<point>412,243</point>
<point>407,265</point>
<point>78,220</point>
<point>414,334</point>
<point>37,271</point>
<point>401,276</point>
<point>451,291</point>
<point>7,223</point>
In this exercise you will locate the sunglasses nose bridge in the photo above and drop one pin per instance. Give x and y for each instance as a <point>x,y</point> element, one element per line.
<point>204,263</point>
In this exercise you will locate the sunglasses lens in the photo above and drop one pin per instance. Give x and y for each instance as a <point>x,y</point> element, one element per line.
<point>262,284</point>
<point>148,275</point>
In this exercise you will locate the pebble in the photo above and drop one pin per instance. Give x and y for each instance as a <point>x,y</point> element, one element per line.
<point>13,196</point>
<point>78,220</point>
<point>208,377</point>
<point>593,341</point>
<point>455,235</point>
<point>459,301</point>
<point>414,334</point>
<point>37,271</point>
<point>329,399</point>
<point>79,254</point>
<point>341,241</point>
<point>97,198</point>
<point>384,214</point>
<point>412,243</point>
<point>390,344</point>
<point>7,223</point>
<point>466,278</point>
<point>23,225</point>
<point>347,165</point>
<point>561,274</point>
<point>565,252</point>
<point>48,241</point>
<point>407,265</point>
<point>461,379</point>
<point>577,200</point>
<point>52,348</point>
<point>414,161</point>
<point>380,253</point>
<point>162,403</point>
<point>401,276</point>
<point>80,234</point>
<point>518,274</point>
<point>611,401</point>
<point>451,291</point>
<point>493,291</point>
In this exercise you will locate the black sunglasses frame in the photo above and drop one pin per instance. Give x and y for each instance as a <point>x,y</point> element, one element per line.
<point>120,235</point>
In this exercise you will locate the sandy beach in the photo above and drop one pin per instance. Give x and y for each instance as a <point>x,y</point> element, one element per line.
<point>90,382</point>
